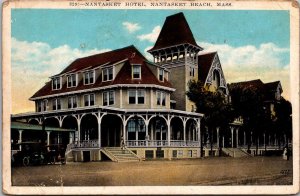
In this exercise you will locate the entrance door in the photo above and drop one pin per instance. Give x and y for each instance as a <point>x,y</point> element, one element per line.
<point>111,131</point>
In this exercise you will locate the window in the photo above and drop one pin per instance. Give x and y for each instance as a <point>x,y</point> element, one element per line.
<point>163,99</point>
<point>192,71</point>
<point>108,98</point>
<point>160,98</point>
<point>42,106</point>
<point>131,95</point>
<point>72,102</point>
<point>161,75</point>
<point>89,100</point>
<point>56,83</point>
<point>136,71</point>
<point>71,80</point>
<point>136,96</point>
<point>136,129</point>
<point>89,77</point>
<point>56,104</point>
<point>141,96</point>
<point>107,74</point>
<point>158,95</point>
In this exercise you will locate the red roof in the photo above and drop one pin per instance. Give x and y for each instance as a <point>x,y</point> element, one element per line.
<point>131,56</point>
<point>204,63</point>
<point>129,52</point>
<point>175,31</point>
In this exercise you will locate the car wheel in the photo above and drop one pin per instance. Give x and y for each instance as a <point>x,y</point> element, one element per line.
<point>26,161</point>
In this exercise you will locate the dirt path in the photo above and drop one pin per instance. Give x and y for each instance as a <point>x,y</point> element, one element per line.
<point>208,171</point>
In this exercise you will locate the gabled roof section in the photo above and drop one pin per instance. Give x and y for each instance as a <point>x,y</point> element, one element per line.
<point>204,63</point>
<point>175,31</point>
<point>251,83</point>
<point>272,86</point>
<point>129,52</point>
<point>131,55</point>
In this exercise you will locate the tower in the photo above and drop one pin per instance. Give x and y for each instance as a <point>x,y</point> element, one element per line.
<point>176,50</point>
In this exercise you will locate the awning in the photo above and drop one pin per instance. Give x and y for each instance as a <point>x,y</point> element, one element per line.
<point>26,126</point>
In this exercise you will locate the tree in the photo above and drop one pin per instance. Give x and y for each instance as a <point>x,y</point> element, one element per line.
<point>214,105</point>
<point>283,118</point>
<point>248,101</point>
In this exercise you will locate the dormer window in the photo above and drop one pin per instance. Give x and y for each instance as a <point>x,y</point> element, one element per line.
<point>161,75</point>
<point>56,83</point>
<point>71,79</point>
<point>107,74</point>
<point>136,71</point>
<point>89,77</point>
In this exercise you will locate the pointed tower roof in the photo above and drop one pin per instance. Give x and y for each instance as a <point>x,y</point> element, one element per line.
<point>175,31</point>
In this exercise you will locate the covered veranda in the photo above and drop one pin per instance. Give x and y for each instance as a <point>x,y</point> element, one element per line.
<point>97,127</point>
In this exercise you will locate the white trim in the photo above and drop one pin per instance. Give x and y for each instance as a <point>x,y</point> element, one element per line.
<point>27,114</point>
<point>106,87</point>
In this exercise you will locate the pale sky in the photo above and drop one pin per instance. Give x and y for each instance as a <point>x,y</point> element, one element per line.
<point>250,44</point>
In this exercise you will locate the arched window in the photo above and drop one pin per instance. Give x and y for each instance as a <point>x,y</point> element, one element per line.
<point>216,78</point>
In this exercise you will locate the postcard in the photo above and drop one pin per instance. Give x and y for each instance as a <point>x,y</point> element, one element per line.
<point>150,97</point>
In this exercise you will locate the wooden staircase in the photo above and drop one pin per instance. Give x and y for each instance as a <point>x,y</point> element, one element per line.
<point>235,152</point>
<point>117,154</point>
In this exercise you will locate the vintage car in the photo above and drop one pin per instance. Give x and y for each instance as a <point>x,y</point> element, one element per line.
<point>29,153</point>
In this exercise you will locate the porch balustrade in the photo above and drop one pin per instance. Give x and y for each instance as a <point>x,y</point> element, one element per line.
<point>84,144</point>
<point>161,143</point>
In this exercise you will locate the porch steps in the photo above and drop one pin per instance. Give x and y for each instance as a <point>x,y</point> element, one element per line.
<point>117,154</point>
<point>235,152</point>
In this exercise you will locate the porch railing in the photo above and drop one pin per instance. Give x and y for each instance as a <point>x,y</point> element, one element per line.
<point>161,143</point>
<point>83,144</point>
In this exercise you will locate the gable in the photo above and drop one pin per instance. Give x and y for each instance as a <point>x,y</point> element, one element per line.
<point>215,76</point>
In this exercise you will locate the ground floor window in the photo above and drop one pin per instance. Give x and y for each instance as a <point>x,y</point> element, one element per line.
<point>136,129</point>
<point>149,154</point>
<point>160,154</point>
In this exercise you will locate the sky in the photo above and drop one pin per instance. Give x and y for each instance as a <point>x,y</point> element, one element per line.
<point>250,44</point>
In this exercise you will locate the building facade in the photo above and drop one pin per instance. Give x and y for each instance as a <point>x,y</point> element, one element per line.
<point>120,99</point>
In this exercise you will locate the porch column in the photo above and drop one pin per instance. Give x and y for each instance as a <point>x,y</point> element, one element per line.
<point>20,136</point>
<point>184,130</point>
<point>48,137</point>
<point>231,128</point>
<point>244,138</point>
<point>78,119</point>
<point>269,141</point>
<point>199,132</point>
<point>99,132</point>
<point>169,130</point>
<point>264,140</point>
<point>237,137</point>
<point>223,142</point>
<point>285,142</point>
<point>218,145</point>
<point>70,137</point>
